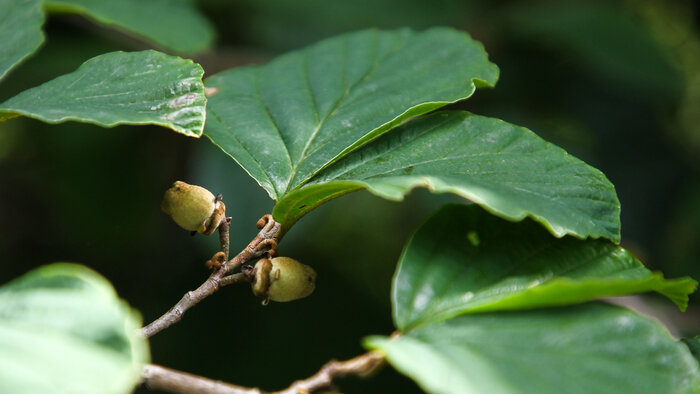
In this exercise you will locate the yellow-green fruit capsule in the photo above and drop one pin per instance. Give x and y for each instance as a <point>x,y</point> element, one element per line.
<point>283,279</point>
<point>190,206</point>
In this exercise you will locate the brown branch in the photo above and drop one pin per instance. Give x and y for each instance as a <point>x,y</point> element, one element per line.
<point>224,238</point>
<point>160,378</point>
<point>235,279</point>
<point>156,377</point>
<point>264,243</point>
<point>362,366</point>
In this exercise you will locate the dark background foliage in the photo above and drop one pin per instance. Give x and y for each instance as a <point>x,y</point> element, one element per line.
<point>615,83</point>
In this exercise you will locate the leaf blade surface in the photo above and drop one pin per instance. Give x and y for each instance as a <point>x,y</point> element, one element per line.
<point>63,329</point>
<point>506,169</point>
<point>286,120</point>
<point>590,348</point>
<point>20,31</point>
<point>463,260</point>
<point>137,88</point>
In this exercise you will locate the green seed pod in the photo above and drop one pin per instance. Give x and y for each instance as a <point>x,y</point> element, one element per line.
<point>283,279</point>
<point>193,208</point>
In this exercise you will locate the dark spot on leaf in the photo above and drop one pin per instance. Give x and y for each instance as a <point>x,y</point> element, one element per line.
<point>302,206</point>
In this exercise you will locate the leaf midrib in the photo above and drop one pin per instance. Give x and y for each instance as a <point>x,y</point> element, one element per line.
<point>431,316</point>
<point>305,154</point>
<point>501,152</point>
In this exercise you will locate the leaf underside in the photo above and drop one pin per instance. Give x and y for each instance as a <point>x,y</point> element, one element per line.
<point>20,31</point>
<point>174,25</point>
<point>116,88</point>
<point>63,329</point>
<point>590,348</point>
<point>463,260</point>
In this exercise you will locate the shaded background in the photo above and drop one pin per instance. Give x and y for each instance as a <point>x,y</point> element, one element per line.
<point>616,83</point>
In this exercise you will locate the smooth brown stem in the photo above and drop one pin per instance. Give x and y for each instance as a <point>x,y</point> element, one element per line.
<point>190,299</point>
<point>159,378</point>
<point>256,248</point>
<point>156,377</point>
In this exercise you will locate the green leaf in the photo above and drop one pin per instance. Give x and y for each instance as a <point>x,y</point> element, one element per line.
<point>64,330</point>
<point>145,87</point>
<point>693,345</point>
<point>173,24</point>
<point>506,169</point>
<point>20,31</point>
<point>285,121</point>
<point>592,348</point>
<point>463,260</point>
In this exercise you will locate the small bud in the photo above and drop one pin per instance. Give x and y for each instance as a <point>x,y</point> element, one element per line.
<point>216,261</point>
<point>193,208</point>
<point>283,279</point>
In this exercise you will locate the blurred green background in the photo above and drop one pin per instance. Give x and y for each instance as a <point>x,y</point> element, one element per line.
<point>616,83</point>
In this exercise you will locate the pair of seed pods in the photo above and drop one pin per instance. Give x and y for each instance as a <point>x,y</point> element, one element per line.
<point>196,209</point>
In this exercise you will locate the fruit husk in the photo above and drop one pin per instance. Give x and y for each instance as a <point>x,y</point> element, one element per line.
<point>190,206</point>
<point>290,280</point>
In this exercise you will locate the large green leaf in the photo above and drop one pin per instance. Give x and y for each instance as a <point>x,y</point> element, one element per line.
<point>463,260</point>
<point>20,31</point>
<point>173,24</point>
<point>506,169</point>
<point>591,348</point>
<point>64,330</point>
<point>693,345</point>
<point>145,87</point>
<point>285,121</point>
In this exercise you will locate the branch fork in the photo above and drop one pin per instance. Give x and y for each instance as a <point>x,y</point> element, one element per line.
<point>265,243</point>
